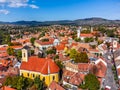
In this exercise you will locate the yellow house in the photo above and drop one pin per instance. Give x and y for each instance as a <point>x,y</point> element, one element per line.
<point>33,66</point>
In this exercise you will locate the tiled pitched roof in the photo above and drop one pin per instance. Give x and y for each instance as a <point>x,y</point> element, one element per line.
<point>55,86</point>
<point>63,58</point>
<point>86,35</point>
<point>42,65</point>
<point>60,47</point>
<point>83,67</point>
<point>16,47</point>
<point>72,77</point>
<point>101,67</point>
<point>3,48</point>
<point>45,42</point>
<point>7,88</point>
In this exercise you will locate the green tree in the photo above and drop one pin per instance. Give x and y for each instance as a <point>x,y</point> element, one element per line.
<point>59,63</point>
<point>87,40</point>
<point>81,57</point>
<point>91,82</point>
<point>51,51</point>
<point>18,82</point>
<point>10,51</point>
<point>77,39</point>
<point>39,83</point>
<point>73,53</point>
<point>32,40</point>
<point>19,54</point>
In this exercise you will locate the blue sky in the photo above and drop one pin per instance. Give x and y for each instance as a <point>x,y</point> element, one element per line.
<point>46,10</point>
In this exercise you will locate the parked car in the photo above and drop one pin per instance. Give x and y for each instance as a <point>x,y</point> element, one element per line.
<point>107,88</point>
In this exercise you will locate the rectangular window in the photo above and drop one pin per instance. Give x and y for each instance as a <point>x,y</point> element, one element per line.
<point>28,74</point>
<point>39,76</point>
<point>43,78</point>
<point>53,77</point>
<point>21,74</point>
<point>33,75</point>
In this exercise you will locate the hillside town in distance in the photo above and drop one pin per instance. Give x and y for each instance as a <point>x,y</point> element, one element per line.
<point>59,57</point>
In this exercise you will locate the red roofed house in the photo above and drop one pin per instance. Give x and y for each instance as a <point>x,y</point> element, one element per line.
<point>7,88</point>
<point>46,42</point>
<point>55,86</point>
<point>33,66</point>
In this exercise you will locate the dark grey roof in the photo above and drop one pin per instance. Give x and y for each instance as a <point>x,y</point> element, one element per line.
<point>26,47</point>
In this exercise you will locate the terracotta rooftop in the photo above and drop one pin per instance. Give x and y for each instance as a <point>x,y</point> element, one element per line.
<point>55,86</point>
<point>45,42</point>
<point>60,47</point>
<point>102,68</point>
<point>72,77</point>
<point>42,65</point>
<point>83,67</point>
<point>7,88</point>
<point>86,35</point>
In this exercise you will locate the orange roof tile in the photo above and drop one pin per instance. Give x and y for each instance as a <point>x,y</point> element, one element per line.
<point>83,67</point>
<point>101,69</point>
<point>86,35</point>
<point>16,47</point>
<point>42,65</point>
<point>3,48</point>
<point>45,42</point>
<point>55,86</point>
<point>60,47</point>
<point>7,88</point>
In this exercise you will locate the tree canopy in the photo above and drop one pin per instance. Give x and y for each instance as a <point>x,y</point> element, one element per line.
<point>32,40</point>
<point>79,57</point>
<point>10,51</point>
<point>23,83</point>
<point>91,82</point>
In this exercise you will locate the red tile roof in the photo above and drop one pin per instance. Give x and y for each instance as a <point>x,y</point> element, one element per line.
<point>101,69</point>
<point>16,47</point>
<point>42,65</point>
<point>72,77</point>
<point>7,88</point>
<point>83,67</point>
<point>60,47</point>
<point>55,86</point>
<point>3,54</point>
<point>3,48</point>
<point>86,35</point>
<point>45,42</point>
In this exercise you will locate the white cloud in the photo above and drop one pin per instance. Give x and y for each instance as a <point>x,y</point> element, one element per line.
<point>3,1</point>
<point>33,6</point>
<point>3,11</point>
<point>17,3</point>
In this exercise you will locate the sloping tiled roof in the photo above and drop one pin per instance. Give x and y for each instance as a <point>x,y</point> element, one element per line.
<point>83,67</point>
<point>72,77</point>
<point>102,68</point>
<point>60,47</point>
<point>86,35</point>
<point>42,65</point>
<point>7,88</point>
<point>45,42</point>
<point>55,86</point>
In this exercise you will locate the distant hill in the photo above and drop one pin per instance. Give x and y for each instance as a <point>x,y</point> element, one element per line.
<point>86,21</point>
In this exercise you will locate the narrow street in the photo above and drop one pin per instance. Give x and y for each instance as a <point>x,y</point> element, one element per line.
<point>109,79</point>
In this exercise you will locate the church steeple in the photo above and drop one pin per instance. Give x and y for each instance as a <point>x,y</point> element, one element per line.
<point>25,53</point>
<point>78,32</point>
